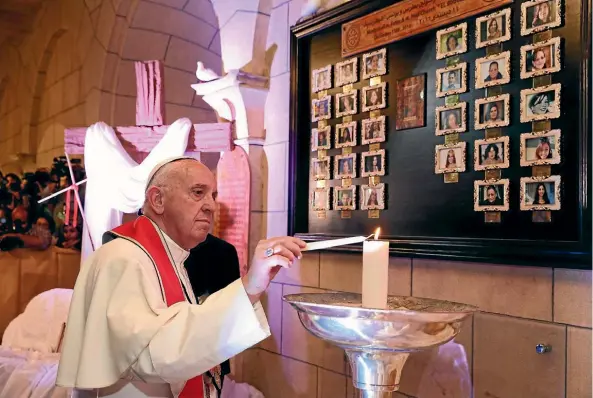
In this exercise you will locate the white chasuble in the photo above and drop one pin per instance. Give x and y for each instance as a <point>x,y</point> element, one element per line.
<point>123,341</point>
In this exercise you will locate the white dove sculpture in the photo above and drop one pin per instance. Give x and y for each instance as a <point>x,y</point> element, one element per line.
<point>205,74</point>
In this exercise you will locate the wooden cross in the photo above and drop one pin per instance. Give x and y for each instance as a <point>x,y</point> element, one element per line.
<point>139,140</point>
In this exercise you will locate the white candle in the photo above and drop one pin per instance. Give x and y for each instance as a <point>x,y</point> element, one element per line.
<point>326,244</point>
<point>375,273</point>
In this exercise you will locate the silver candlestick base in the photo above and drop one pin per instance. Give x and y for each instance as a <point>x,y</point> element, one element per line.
<point>379,341</point>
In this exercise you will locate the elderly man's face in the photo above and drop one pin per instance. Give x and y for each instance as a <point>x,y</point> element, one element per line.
<point>190,203</point>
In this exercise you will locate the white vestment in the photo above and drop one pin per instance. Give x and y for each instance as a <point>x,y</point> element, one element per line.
<point>122,341</point>
<point>116,183</point>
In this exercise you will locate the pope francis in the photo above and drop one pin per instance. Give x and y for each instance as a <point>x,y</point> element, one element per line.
<point>135,328</point>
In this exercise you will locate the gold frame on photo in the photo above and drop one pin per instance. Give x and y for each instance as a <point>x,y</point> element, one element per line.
<point>363,98</point>
<point>557,154</point>
<point>381,72</point>
<point>437,159</point>
<point>437,119</point>
<point>354,126</point>
<point>314,134</point>
<point>366,154</point>
<point>555,43</point>
<point>442,32</point>
<point>557,14</point>
<point>505,199</point>
<point>327,202</point>
<point>352,189</point>
<point>556,179</point>
<point>327,98</point>
<point>380,197</point>
<point>504,140</point>
<point>337,158</point>
<point>557,87</point>
<point>382,122</point>
<point>462,84</point>
<point>316,88</point>
<point>354,111</point>
<point>338,75</point>
<point>506,98</point>
<point>506,15</point>
<point>327,174</point>
<point>506,61</point>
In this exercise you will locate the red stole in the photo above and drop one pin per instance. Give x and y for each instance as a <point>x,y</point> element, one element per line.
<point>143,233</point>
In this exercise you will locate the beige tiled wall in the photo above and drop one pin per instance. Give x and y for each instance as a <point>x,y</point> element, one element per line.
<point>493,356</point>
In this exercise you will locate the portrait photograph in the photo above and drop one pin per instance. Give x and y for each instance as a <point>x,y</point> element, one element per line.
<point>492,112</point>
<point>347,103</point>
<point>372,197</point>
<point>411,102</point>
<point>320,168</point>
<point>452,80</point>
<point>540,103</point>
<point>491,195</point>
<point>320,199</point>
<point>345,135</point>
<point>374,63</point>
<point>452,41</point>
<point>540,193</point>
<point>493,70</point>
<point>541,147</point>
<point>494,28</point>
<point>346,72</point>
<point>539,15</point>
<point>345,198</point>
<point>450,158</point>
<point>491,153</point>
<point>540,58</point>
<point>345,166</point>
<point>373,130</point>
<point>374,97</point>
<point>451,119</point>
<point>321,138</point>
<point>372,163</point>
<point>321,108</point>
<point>321,78</point>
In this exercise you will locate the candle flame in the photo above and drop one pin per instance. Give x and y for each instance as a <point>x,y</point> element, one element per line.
<point>377,233</point>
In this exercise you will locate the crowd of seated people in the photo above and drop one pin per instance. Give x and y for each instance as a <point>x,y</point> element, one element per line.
<point>24,222</point>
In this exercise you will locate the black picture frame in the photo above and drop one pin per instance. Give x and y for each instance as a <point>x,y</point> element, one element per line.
<point>573,253</point>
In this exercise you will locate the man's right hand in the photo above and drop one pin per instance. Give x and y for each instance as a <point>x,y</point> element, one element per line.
<point>264,267</point>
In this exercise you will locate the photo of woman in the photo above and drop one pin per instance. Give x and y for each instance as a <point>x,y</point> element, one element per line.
<point>540,103</point>
<point>374,64</point>
<point>373,130</point>
<point>493,28</point>
<point>451,119</point>
<point>542,147</point>
<point>347,72</point>
<point>491,153</point>
<point>491,195</point>
<point>345,134</point>
<point>540,58</point>
<point>320,138</point>
<point>539,15</point>
<point>345,198</point>
<point>321,199</point>
<point>321,79</point>
<point>374,97</point>
<point>320,168</point>
<point>452,41</point>
<point>373,163</point>
<point>492,112</point>
<point>321,109</point>
<point>540,193</point>
<point>345,166</point>
<point>372,197</point>
<point>450,158</point>
<point>347,103</point>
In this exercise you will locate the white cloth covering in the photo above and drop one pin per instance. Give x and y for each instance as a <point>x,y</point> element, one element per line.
<point>116,182</point>
<point>119,327</point>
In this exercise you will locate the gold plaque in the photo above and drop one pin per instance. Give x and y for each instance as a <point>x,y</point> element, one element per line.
<point>540,81</point>
<point>320,183</point>
<point>542,36</point>
<point>494,49</point>
<point>374,114</point>
<point>321,153</point>
<point>346,214</point>
<point>451,178</point>
<point>374,180</point>
<point>346,182</point>
<point>452,99</point>
<point>492,174</point>
<point>492,91</point>
<point>374,147</point>
<point>322,124</point>
<point>541,125</point>
<point>452,61</point>
<point>347,119</point>
<point>375,80</point>
<point>541,216</point>
<point>322,93</point>
<point>347,88</point>
<point>321,214</point>
<point>373,213</point>
<point>492,217</point>
<point>452,138</point>
<point>493,132</point>
<point>541,171</point>
<point>347,150</point>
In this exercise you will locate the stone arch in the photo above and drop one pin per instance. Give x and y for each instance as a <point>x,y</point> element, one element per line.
<point>38,88</point>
